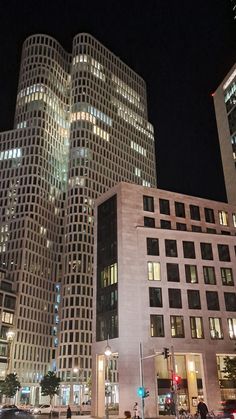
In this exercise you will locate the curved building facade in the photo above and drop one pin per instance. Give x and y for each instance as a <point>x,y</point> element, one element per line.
<point>80,128</point>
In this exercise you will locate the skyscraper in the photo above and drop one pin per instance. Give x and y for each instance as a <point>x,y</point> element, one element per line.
<point>225,109</point>
<point>80,127</point>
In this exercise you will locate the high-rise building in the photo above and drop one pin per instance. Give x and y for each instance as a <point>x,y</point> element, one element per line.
<point>175,257</point>
<point>225,109</point>
<point>233,5</point>
<point>81,126</point>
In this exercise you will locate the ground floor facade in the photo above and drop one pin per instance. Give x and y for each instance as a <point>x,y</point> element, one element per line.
<point>200,376</point>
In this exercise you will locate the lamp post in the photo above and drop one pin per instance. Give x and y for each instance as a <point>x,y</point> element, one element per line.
<point>107,354</point>
<point>10,337</point>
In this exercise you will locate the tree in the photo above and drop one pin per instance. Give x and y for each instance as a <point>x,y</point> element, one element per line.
<point>10,385</point>
<point>50,384</point>
<point>230,368</point>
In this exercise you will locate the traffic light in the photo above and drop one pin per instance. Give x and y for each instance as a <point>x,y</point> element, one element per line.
<point>141,391</point>
<point>177,380</point>
<point>166,353</point>
<point>146,393</point>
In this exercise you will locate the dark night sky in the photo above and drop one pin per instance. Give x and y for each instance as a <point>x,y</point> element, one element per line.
<point>182,48</point>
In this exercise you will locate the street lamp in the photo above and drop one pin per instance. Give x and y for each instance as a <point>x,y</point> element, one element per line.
<point>107,354</point>
<point>10,337</point>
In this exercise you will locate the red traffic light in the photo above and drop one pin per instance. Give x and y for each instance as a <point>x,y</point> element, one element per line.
<point>177,379</point>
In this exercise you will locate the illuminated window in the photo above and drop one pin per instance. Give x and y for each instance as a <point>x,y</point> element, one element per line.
<point>191,274</point>
<point>196,328</point>
<point>154,271</point>
<point>234,219</point>
<point>137,172</point>
<point>14,153</point>
<point>109,275</point>
<point>232,328</point>
<point>215,328</point>
<point>100,132</point>
<point>223,218</point>
<point>138,148</point>
<point>7,317</point>
<point>146,183</point>
<point>156,325</point>
<point>227,276</point>
<point>177,326</point>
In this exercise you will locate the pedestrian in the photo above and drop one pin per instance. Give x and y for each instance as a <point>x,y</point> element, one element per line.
<point>202,409</point>
<point>136,411</point>
<point>68,413</point>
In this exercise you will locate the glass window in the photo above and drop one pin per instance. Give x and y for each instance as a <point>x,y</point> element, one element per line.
<point>10,302</point>
<point>223,250</point>
<point>171,248</point>
<point>179,209</point>
<point>148,203</point>
<point>196,229</point>
<point>172,272</point>
<point>215,328</point>
<point>181,227</point>
<point>152,246</point>
<point>223,218</point>
<point>209,275</point>
<point>164,206</point>
<point>211,230</point>
<point>232,328</point>
<point>230,301</point>
<point>194,301</point>
<point>225,233</point>
<point>149,222</point>
<point>194,212</point>
<point>209,215</point>
<point>189,250</point>
<point>212,300</point>
<point>154,271</point>
<point>177,326</point>
<point>174,298</point>
<point>191,274</point>
<point>7,317</point>
<point>227,276</point>
<point>157,325</point>
<point>165,224</point>
<point>155,297</point>
<point>234,219</point>
<point>206,251</point>
<point>196,327</point>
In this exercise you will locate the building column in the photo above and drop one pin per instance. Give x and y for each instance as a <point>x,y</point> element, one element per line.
<point>99,390</point>
<point>71,394</point>
<point>211,385</point>
<point>191,381</point>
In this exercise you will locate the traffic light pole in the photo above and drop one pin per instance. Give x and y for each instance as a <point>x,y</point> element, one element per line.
<point>141,376</point>
<point>174,383</point>
<point>141,358</point>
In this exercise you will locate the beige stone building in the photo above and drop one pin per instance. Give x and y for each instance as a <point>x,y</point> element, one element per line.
<point>165,277</point>
<point>81,126</point>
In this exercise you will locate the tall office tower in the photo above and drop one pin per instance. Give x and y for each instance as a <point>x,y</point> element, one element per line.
<point>225,109</point>
<point>80,127</point>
